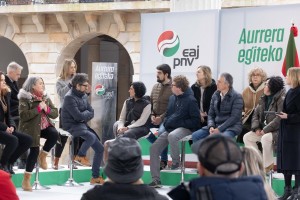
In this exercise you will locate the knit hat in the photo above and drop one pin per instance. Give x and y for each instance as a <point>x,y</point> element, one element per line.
<point>219,154</point>
<point>124,164</point>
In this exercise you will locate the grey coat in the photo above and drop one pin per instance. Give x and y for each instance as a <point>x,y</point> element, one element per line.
<point>226,115</point>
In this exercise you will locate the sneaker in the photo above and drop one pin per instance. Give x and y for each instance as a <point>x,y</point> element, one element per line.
<point>97,181</point>
<point>174,166</point>
<point>82,161</point>
<point>155,184</point>
<point>163,164</point>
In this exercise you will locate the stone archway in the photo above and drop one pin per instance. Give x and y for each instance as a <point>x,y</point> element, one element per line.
<point>100,48</point>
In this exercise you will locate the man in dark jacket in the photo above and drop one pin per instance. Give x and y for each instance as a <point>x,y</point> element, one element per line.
<point>225,111</point>
<point>124,170</point>
<point>76,112</point>
<point>181,120</point>
<point>220,166</point>
<point>12,76</point>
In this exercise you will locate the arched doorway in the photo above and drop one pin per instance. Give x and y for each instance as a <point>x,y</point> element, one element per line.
<point>9,52</point>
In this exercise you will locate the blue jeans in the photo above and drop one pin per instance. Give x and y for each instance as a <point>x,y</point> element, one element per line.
<point>204,132</point>
<point>151,138</point>
<point>91,140</point>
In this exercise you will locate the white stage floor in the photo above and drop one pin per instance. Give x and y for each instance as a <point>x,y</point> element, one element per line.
<point>65,193</point>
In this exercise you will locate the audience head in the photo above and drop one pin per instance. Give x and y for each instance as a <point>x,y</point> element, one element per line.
<point>139,89</point>
<point>204,72</point>
<point>257,72</point>
<point>225,82</point>
<point>14,71</point>
<point>253,162</point>
<point>124,164</point>
<point>34,84</point>
<point>275,84</point>
<point>69,68</point>
<point>180,82</point>
<point>293,77</point>
<point>218,156</point>
<point>165,68</point>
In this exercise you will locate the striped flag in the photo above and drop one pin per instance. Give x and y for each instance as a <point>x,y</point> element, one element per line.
<point>291,56</point>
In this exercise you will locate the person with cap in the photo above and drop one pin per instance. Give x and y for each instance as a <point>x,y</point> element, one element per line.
<point>182,118</point>
<point>225,111</point>
<point>265,124</point>
<point>124,169</point>
<point>220,166</point>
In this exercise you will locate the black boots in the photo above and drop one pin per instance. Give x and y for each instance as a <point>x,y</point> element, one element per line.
<point>287,193</point>
<point>7,168</point>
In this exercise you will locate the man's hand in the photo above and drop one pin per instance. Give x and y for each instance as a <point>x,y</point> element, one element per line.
<point>156,120</point>
<point>214,130</point>
<point>122,130</point>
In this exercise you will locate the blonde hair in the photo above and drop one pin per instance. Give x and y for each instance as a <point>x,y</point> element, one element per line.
<point>294,74</point>
<point>65,69</point>
<point>257,70</point>
<point>253,163</point>
<point>207,74</point>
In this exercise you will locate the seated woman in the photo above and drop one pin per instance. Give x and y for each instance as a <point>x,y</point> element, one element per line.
<point>134,121</point>
<point>16,143</point>
<point>36,109</point>
<point>265,126</point>
<point>251,95</point>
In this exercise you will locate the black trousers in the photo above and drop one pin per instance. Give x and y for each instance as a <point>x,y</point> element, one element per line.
<point>51,136</point>
<point>15,145</point>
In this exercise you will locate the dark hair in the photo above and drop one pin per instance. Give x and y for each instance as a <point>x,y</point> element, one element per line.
<point>79,78</point>
<point>275,84</point>
<point>165,68</point>
<point>139,89</point>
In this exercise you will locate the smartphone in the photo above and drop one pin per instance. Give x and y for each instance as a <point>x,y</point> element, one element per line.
<point>271,112</point>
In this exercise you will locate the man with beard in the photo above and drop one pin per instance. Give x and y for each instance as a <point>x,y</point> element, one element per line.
<point>160,94</point>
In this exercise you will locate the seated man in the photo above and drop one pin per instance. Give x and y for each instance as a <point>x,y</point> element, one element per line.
<point>182,118</point>
<point>225,111</point>
<point>75,113</point>
<point>220,167</point>
<point>124,170</point>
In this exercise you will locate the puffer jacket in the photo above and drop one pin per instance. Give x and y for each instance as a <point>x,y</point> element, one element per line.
<point>182,112</point>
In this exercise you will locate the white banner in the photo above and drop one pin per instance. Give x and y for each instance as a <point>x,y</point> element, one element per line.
<point>242,39</point>
<point>182,40</point>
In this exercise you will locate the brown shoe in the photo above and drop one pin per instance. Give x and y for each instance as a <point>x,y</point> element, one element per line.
<point>97,181</point>
<point>269,168</point>
<point>82,161</point>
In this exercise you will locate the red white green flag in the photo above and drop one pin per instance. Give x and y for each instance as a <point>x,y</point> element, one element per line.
<point>291,56</point>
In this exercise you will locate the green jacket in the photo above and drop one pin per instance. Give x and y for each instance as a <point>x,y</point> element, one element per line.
<point>30,117</point>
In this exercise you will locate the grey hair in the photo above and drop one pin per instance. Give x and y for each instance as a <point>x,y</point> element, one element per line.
<point>30,82</point>
<point>79,78</point>
<point>13,66</point>
<point>228,78</point>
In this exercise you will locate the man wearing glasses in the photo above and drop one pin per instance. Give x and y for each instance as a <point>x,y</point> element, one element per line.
<point>76,112</point>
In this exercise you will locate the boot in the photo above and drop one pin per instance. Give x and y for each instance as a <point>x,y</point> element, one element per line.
<point>42,160</point>
<point>295,194</point>
<point>287,193</point>
<point>55,164</point>
<point>26,186</point>
<point>10,168</point>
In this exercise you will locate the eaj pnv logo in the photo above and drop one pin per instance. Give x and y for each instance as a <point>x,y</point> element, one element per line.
<point>168,43</point>
<point>99,89</point>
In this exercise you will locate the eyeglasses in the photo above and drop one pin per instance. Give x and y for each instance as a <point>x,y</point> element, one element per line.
<point>255,74</point>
